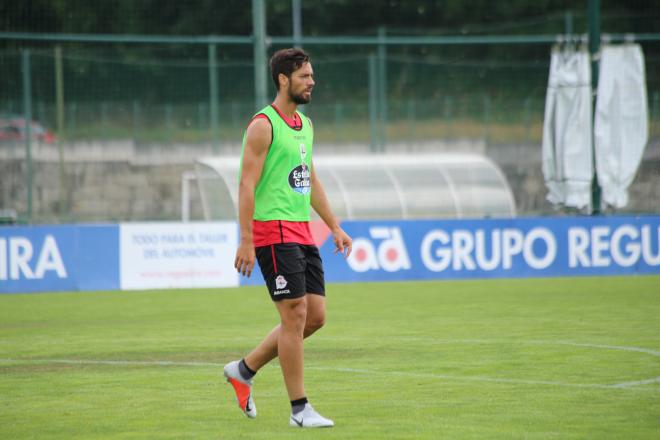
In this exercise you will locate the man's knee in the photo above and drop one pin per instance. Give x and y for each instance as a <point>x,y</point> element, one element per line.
<point>314,322</point>
<point>315,313</point>
<point>294,312</point>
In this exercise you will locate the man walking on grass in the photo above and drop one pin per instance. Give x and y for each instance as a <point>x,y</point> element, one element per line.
<point>277,187</point>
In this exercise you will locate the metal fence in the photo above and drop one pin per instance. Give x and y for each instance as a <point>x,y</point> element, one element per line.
<point>128,123</point>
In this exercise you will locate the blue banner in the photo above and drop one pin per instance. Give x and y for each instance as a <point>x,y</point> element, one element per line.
<point>507,248</point>
<point>492,248</point>
<point>87,257</point>
<point>58,258</point>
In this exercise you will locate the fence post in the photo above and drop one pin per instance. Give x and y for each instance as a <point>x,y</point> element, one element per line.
<point>382,85</point>
<point>59,90</point>
<point>297,23</point>
<point>27,115</point>
<point>59,98</point>
<point>213,98</point>
<point>594,48</point>
<point>259,35</point>
<point>568,22</point>
<point>373,104</point>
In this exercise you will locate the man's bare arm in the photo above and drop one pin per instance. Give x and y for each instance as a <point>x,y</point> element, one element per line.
<point>258,140</point>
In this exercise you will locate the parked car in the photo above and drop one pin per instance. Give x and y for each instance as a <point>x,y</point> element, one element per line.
<point>12,129</point>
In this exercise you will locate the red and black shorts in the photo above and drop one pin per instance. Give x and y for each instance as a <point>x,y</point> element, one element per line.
<point>291,270</point>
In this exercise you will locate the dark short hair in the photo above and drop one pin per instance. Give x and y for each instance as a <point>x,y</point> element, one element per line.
<point>286,61</point>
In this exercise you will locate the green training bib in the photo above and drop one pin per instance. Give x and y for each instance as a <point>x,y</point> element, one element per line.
<point>284,189</point>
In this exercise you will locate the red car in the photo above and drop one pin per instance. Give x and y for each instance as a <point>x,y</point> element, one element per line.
<point>13,129</point>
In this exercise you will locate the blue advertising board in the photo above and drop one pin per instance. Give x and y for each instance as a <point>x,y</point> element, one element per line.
<point>59,258</point>
<point>506,248</point>
<point>89,257</point>
<point>493,248</point>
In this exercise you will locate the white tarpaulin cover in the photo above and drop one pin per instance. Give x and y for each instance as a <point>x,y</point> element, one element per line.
<point>621,122</point>
<point>567,142</point>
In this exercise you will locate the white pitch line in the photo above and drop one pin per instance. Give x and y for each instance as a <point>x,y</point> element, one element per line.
<point>500,341</point>
<point>112,362</point>
<point>606,347</point>
<point>635,383</point>
<point>479,378</point>
<point>623,385</point>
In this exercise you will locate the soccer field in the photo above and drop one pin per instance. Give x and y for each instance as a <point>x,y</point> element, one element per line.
<point>511,359</point>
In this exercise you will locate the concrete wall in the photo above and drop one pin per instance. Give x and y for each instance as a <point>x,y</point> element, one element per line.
<point>102,182</point>
<point>116,181</point>
<point>522,166</point>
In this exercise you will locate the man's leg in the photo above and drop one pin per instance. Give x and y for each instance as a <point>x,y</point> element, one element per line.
<point>293,314</point>
<point>286,340</point>
<point>294,318</point>
<point>303,415</point>
<point>300,318</point>
<point>266,351</point>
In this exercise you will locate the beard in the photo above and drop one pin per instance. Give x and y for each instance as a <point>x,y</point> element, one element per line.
<point>299,99</point>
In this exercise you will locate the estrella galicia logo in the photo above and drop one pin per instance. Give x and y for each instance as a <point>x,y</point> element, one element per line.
<point>299,179</point>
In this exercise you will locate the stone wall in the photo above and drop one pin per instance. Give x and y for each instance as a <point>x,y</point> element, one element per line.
<point>117,182</point>
<point>522,166</point>
<point>109,182</point>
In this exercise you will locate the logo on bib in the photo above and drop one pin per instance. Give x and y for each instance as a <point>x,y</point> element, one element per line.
<point>303,152</point>
<point>299,179</point>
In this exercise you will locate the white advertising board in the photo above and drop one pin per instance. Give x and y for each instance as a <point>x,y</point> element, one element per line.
<point>165,255</point>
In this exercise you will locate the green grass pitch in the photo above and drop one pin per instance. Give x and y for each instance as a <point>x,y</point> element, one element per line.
<point>574,358</point>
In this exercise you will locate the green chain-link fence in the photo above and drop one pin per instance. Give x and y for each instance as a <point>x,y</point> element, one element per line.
<point>181,100</point>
